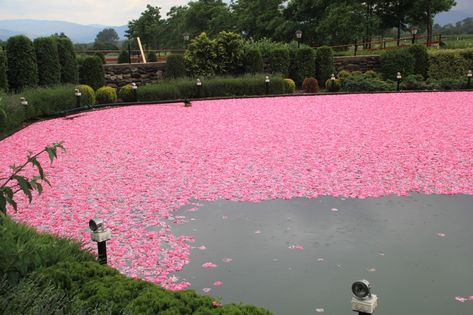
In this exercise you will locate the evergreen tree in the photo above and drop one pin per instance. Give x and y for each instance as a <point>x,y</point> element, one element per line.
<point>47,58</point>
<point>21,60</point>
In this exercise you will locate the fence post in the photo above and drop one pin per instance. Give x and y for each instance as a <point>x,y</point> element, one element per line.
<point>356,46</point>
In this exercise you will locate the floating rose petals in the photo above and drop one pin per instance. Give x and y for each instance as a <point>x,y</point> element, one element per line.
<point>209,265</point>
<point>202,247</point>
<point>334,210</point>
<point>371,269</point>
<point>206,290</point>
<point>257,232</point>
<point>320,259</point>
<point>218,283</point>
<point>461,299</point>
<point>296,247</point>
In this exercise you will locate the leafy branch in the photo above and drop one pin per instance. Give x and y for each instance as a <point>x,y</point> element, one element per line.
<point>15,183</point>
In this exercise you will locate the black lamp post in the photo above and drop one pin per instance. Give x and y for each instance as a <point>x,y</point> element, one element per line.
<point>398,79</point>
<point>78,94</point>
<point>299,37</point>
<point>101,236</point>
<point>267,82</point>
<point>469,75</point>
<point>414,31</point>
<point>199,88</point>
<point>186,37</point>
<point>134,88</point>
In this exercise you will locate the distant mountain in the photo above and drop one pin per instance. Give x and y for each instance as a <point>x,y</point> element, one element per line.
<point>78,33</point>
<point>452,17</point>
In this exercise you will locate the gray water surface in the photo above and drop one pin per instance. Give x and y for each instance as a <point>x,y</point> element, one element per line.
<point>417,251</point>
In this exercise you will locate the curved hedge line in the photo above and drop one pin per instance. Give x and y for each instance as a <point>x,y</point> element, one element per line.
<point>57,271</point>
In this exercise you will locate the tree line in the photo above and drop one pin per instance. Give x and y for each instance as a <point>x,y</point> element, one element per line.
<point>322,22</point>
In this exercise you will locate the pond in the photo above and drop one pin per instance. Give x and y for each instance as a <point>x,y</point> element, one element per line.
<point>300,256</point>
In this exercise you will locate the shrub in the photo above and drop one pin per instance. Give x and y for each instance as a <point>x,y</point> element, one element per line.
<point>421,57</point>
<point>396,60</point>
<point>21,59</point>
<point>47,58</point>
<point>279,59</point>
<point>106,95</point>
<point>324,63</point>
<point>88,95</point>
<point>414,82</point>
<point>289,86</point>
<point>92,73</point>
<point>43,250</point>
<point>3,72</point>
<point>151,56</point>
<point>253,61</point>
<point>229,53</point>
<point>364,84</point>
<point>372,74</point>
<point>304,64</point>
<point>449,84</point>
<point>126,93</point>
<point>452,64</point>
<point>67,60</point>
<point>201,57</point>
<point>310,85</point>
<point>333,85</point>
<point>123,57</point>
<point>344,74</point>
<point>101,57</point>
<point>175,67</point>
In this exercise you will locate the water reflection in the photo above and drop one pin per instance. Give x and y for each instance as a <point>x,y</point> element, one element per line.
<point>296,256</point>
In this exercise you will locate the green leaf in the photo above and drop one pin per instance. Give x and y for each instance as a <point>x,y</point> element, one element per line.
<point>8,193</point>
<point>39,188</point>
<point>35,162</point>
<point>25,186</point>
<point>51,153</point>
<point>3,202</point>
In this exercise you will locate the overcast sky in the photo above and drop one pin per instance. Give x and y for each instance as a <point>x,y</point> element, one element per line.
<point>107,12</point>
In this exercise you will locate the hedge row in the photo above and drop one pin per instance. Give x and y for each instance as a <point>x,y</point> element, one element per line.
<point>450,64</point>
<point>57,277</point>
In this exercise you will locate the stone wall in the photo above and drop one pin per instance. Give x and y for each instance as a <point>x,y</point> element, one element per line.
<point>358,63</point>
<point>118,75</point>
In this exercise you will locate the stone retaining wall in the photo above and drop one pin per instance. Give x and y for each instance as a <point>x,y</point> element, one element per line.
<point>358,63</point>
<point>118,75</point>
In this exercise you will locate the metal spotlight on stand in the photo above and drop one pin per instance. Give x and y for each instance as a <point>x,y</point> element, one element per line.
<point>363,301</point>
<point>398,79</point>
<point>78,94</point>
<point>101,236</point>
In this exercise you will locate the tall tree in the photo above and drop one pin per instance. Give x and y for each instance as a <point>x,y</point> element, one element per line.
<point>395,13</point>
<point>106,39</point>
<point>148,27</point>
<point>424,11</point>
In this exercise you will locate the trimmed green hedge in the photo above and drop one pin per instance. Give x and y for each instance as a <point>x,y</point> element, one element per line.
<point>397,60</point>
<point>450,64</point>
<point>280,61</point>
<point>175,67</point>
<point>68,61</point>
<point>324,66</point>
<point>3,72</point>
<point>47,58</point>
<point>57,275</point>
<point>106,95</point>
<point>92,73</point>
<point>363,83</point>
<point>421,57</point>
<point>21,58</point>
<point>253,61</point>
<point>225,86</point>
<point>304,64</point>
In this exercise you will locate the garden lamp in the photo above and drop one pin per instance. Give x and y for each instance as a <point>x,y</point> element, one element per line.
<point>199,88</point>
<point>332,77</point>
<point>398,78</point>
<point>134,88</point>
<point>363,301</point>
<point>267,81</point>
<point>186,36</point>
<point>299,37</point>
<point>23,101</point>
<point>414,31</point>
<point>101,236</point>
<point>469,76</point>
<point>78,94</point>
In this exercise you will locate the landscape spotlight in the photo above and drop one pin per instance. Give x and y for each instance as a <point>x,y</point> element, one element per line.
<point>101,236</point>
<point>78,94</point>
<point>199,88</point>
<point>134,88</point>
<point>23,101</point>
<point>332,77</point>
<point>186,36</point>
<point>363,301</point>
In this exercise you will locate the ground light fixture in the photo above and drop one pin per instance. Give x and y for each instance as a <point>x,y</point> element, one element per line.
<point>134,88</point>
<point>363,301</point>
<point>469,75</point>
<point>100,235</point>
<point>267,82</point>
<point>398,79</point>
<point>77,94</point>
<point>299,37</point>
<point>23,101</point>
<point>186,36</point>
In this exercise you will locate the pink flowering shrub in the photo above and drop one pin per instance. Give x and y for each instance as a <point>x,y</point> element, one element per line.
<point>134,166</point>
